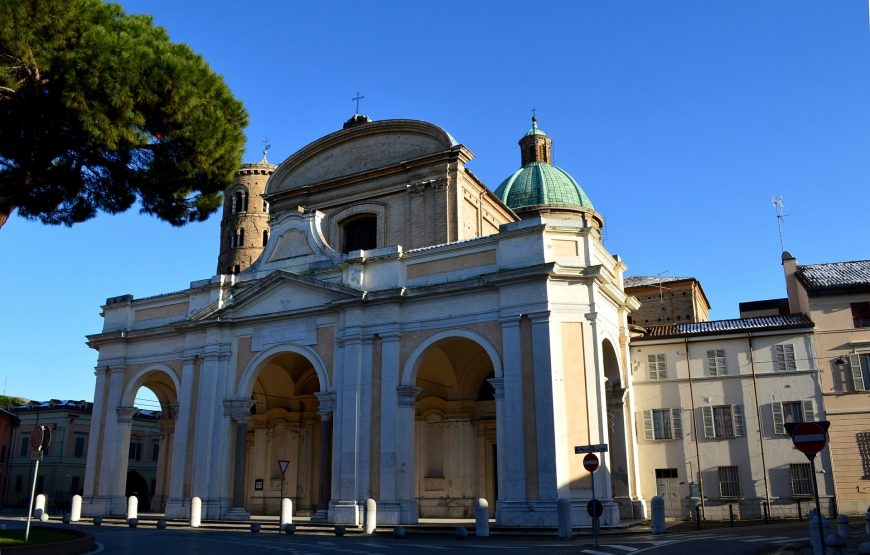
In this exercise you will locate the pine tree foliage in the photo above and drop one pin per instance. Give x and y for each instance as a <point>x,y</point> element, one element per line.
<point>99,108</point>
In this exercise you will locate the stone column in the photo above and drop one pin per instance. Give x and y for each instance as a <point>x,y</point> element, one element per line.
<point>92,504</point>
<point>344,508</point>
<point>114,452</point>
<point>324,466</point>
<point>511,508</point>
<point>364,426</point>
<point>388,505</point>
<point>118,478</point>
<point>405,452</point>
<point>164,454</point>
<point>178,504</point>
<point>548,484</point>
<point>240,411</point>
<point>210,462</point>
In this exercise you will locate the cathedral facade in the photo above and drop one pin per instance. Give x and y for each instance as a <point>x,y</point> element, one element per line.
<point>389,328</point>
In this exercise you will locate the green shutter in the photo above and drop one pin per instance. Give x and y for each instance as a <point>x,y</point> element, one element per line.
<point>653,367</point>
<point>737,418</point>
<point>857,375</point>
<point>790,362</point>
<point>809,414</point>
<point>778,358</point>
<point>648,425</point>
<point>676,424</point>
<point>709,431</point>
<point>778,419</point>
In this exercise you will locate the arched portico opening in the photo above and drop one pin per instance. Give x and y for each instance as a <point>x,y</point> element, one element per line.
<point>616,429</point>
<point>455,428</point>
<point>285,424</point>
<point>147,416</point>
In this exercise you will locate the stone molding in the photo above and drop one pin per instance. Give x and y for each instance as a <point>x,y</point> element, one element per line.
<point>498,385</point>
<point>126,414</point>
<point>238,409</point>
<point>327,404</point>
<point>408,395</point>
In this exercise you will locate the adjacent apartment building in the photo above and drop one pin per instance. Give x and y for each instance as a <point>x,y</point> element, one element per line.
<point>712,399</point>
<point>61,473</point>
<point>836,296</point>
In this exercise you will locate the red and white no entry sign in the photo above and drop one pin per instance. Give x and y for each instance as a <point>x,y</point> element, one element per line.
<point>809,437</point>
<point>590,462</point>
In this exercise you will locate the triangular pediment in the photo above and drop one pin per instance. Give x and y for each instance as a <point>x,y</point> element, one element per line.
<point>283,292</point>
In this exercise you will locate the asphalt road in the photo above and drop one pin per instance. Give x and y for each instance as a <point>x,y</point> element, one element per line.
<point>748,540</point>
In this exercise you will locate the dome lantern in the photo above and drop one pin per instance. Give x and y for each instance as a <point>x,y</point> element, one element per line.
<point>539,186</point>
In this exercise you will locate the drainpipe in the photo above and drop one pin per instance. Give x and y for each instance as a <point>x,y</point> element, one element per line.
<point>758,415</point>
<point>694,428</point>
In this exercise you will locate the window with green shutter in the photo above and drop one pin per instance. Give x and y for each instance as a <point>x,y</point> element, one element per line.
<point>723,421</point>
<point>859,364</point>
<point>783,358</point>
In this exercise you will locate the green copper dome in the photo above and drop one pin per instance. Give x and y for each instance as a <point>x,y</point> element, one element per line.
<point>538,184</point>
<point>541,184</point>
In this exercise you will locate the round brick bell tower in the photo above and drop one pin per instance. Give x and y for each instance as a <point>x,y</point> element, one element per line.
<point>245,222</point>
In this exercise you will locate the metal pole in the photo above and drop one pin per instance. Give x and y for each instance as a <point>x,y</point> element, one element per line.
<point>812,459</point>
<point>595,511</point>
<point>30,506</point>
<point>282,491</point>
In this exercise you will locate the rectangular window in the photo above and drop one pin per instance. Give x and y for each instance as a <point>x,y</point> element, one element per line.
<point>791,412</point>
<point>729,481</point>
<point>75,482</point>
<point>662,424</point>
<point>135,451</point>
<point>666,473</point>
<point>658,369</point>
<point>79,447</point>
<point>19,484</point>
<point>861,314</point>
<point>155,450</point>
<point>716,363</point>
<point>25,446</point>
<point>2,453</point>
<point>859,364</point>
<point>723,421</point>
<point>783,358</point>
<point>801,479</point>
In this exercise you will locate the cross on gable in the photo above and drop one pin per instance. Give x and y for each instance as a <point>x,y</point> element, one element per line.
<point>356,99</point>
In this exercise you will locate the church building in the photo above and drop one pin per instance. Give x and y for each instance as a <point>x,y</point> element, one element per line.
<point>390,328</point>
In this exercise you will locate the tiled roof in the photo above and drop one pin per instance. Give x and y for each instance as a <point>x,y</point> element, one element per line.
<point>727,326</point>
<point>644,281</point>
<point>835,275</point>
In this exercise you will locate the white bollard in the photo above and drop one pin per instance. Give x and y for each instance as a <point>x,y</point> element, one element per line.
<point>286,512</point>
<point>195,512</point>
<point>843,526</point>
<point>132,508</point>
<point>658,515</point>
<point>563,510</point>
<point>39,508</point>
<point>481,518</point>
<point>371,516</point>
<point>75,513</point>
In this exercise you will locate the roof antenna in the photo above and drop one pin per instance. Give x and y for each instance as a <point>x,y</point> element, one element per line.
<point>266,147</point>
<point>661,286</point>
<point>780,219</point>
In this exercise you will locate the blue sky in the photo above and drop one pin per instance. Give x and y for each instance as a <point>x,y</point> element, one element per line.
<point>680,119</point>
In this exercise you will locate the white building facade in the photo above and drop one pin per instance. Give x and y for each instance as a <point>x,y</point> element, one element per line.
<point>712,399</point>
<point>406,335</point>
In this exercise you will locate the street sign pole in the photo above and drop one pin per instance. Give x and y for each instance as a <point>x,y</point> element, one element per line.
<point>32,497</point>
<point>810,438</point>
<point>282,466</point>
<point>594,518</point>
<point>812,459</point>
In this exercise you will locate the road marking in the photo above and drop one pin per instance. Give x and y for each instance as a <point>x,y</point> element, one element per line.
<point>622,547</point>
<point>769,538</point>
